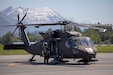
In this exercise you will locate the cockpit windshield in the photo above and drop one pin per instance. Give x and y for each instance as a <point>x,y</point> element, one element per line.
<point>86,42</point>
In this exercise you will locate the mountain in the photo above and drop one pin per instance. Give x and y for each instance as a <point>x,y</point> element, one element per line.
<point>34,15</point>
<point>4,20</point>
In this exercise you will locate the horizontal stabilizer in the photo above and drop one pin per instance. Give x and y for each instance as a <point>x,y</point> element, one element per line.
<point>14,46</point>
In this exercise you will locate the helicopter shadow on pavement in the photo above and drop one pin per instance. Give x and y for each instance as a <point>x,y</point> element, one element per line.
<point>73,64</point>
<point>29,63</point>
<point>68,64</point>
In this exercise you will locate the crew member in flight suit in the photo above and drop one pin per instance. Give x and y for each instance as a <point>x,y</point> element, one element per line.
<point>46,52</point>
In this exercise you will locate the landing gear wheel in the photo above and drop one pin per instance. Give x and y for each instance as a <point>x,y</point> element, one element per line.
<point>86,60</point>
<point>32,58</point>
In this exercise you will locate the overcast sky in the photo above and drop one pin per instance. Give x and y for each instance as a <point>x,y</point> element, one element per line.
<point>79,10</point>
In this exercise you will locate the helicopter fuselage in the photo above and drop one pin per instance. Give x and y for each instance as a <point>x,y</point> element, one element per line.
<point>63,44</point>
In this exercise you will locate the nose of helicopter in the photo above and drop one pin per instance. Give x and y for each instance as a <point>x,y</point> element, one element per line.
<point>89,50</point>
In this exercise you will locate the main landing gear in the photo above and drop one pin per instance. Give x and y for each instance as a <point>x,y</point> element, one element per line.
<point>31,59</point>
<point>87,60</point>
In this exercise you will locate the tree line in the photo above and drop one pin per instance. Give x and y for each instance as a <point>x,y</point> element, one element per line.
<point>8,38</point>
<point>98,37</point>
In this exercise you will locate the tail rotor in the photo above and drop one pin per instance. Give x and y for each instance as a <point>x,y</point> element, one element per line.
<point>19,23</point>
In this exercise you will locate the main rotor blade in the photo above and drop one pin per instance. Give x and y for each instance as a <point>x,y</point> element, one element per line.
<point>92,26</point>
<point>18,18</point>
<point>14,30</point>
<point>36,25</point>
<point>23,18</point>
<point>7,25</point>
<point>45,24</point>
<point>100,29</point>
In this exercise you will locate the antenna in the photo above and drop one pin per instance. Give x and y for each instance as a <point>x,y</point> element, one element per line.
<point>72,28</point>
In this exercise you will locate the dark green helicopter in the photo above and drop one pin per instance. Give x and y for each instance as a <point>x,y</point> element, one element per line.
<point>62,43</point>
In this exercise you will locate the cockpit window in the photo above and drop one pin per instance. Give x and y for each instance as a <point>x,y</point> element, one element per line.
<point>71,43</point>
<point>74,43</point>
<point>86,42</point>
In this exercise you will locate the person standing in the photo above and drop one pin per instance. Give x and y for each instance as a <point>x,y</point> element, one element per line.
<point>46,52</point>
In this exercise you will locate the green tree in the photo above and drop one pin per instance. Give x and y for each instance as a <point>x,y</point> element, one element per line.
<point>93,34</point>
<point>69,28</point>
<point>49,30</point>
<point>33,37</point>
<point>7,38</point>
<point>96,38</point>
<point>111,38</point>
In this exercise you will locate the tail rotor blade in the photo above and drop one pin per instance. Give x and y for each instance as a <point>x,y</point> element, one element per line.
<point>18,18</point>
<point>23,18</point>
<point>14,30</point>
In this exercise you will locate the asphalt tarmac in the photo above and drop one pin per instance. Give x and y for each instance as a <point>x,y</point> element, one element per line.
<point>19,65</point>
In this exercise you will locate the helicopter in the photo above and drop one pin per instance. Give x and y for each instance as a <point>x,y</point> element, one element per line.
<point>62,43</point>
